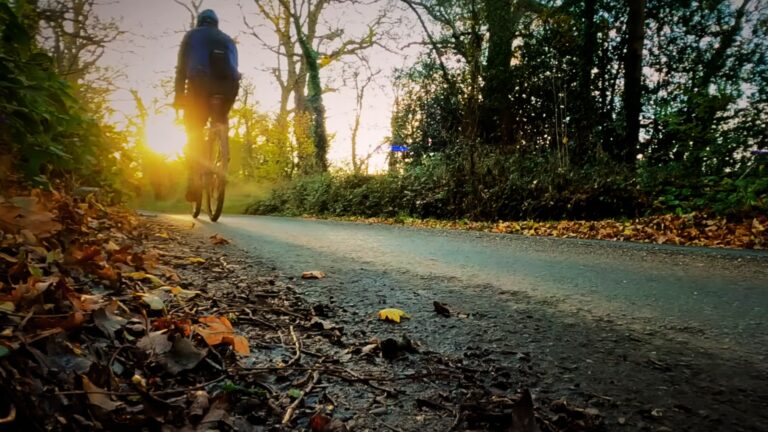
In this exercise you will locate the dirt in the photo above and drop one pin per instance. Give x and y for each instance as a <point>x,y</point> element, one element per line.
<point>471,369</point>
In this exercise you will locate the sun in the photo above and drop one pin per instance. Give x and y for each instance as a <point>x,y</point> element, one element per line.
<point>166,136</point>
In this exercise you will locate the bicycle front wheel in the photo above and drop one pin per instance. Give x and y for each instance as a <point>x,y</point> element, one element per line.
<point>217,180</point>
<point>197,205</point>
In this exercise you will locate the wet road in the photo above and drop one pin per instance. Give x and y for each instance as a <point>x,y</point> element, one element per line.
<point>656,338</point>
<point>715,299</point>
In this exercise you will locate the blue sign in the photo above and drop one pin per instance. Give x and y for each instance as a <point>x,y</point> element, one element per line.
<point>399,148</point>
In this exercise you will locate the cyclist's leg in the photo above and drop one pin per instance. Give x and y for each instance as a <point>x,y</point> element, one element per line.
<point>195,118</point>
<point>228,90</point>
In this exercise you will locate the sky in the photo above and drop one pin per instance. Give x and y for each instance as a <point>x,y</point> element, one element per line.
<point>147,55</point>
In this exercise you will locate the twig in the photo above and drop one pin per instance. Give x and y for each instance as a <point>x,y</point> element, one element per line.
<point>186,389</point>
<point>286,312</point>
<point>26,319</point>
<point>10,417</point>
<point>133,393</point>
<point>456,421</point>
<point>112,360</point>
<point>297,342</point>
<point>3,311</point>
<point>387,425</point>
<point>365,381</point>
<point>260,321</point>
<point>291,409</point>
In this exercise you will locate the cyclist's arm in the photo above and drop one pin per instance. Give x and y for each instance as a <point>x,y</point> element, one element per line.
<point>181,70</point>
<point>233,60</point>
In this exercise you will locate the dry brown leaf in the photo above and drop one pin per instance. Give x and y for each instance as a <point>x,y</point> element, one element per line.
<point>313,274</point>
<point>27,213</point>
<point>97,396</point>
<point>217,330</point>
<point>218,240</point>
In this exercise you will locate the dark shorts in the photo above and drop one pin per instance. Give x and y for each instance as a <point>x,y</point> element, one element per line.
<point>200,104</point>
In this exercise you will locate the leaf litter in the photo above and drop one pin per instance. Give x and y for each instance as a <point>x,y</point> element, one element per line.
<point>109,321</point>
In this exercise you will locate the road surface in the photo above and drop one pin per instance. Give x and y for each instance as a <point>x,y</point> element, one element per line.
<point>679,330</point>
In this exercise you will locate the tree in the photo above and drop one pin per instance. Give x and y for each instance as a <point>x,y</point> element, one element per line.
<point>193,8</point>
<point>361,84</point>
<point>586,113</point>
<point>75,36</point>
<point>633,79</point>
<point>297,74</point>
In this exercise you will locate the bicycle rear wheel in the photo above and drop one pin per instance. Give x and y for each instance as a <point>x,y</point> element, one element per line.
<point>216,184</point>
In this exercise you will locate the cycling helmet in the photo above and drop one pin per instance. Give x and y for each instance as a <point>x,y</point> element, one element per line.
<point>207,18</point>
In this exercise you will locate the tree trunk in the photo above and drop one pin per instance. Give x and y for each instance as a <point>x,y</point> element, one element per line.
<point>587,61</point>
<point>633,79</point>
<point>496,87</point>
<point>314,99</point>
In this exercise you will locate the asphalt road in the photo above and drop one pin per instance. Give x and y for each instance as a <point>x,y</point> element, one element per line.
<point>666,338</point>
<point>719,297</point>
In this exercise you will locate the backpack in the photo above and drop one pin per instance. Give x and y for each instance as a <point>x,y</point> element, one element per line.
<point>220,65</point>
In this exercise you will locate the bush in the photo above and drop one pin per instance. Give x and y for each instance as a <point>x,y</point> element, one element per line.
<point>441,186</point>
<point>46,134</point>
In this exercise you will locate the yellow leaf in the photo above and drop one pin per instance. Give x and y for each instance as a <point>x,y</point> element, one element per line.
<point>195,260</point>
<point>141,275</point>
<point>7,306</point>
<point>393,315</point>
<point>182,293</point>
<point>154,302</point>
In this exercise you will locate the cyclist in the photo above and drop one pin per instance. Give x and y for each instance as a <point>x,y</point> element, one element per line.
<point>207,67</point>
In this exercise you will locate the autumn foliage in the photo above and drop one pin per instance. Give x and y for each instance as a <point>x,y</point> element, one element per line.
<point>84,296</point>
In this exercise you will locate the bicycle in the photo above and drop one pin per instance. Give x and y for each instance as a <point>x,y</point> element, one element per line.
<point>213,178</point>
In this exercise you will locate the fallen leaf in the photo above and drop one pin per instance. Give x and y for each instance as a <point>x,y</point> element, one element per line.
<point>154,302</point>
<point>217,330</point>
<point>183,355</point>
<point>107,273</point>
<point>182,293</point>
<point>393,315</point>
<point>295,393</point>
<point>4,351</point>
<point>523,417</point>
<point>319,423</point>
<point>155,342</point>
<point>200,404</point>
<point>97,396</point>
<point>318,323</point>
<point>195,260</point>
<point>218,240</point>
<point>141,275</point>
<point>27,213</point>
<point>441,309</point>
<point>107,321</point>
<point>313,274</point>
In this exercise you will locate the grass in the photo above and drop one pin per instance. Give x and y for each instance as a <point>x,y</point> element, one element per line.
<point>239,195</point>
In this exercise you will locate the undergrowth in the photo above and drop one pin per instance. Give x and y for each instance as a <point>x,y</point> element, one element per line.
<point>518,188</point>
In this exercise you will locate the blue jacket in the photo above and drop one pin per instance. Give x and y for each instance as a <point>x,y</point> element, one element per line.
<point>196,52</point>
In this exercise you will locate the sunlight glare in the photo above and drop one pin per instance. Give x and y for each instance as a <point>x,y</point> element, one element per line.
<point>166,136</point>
